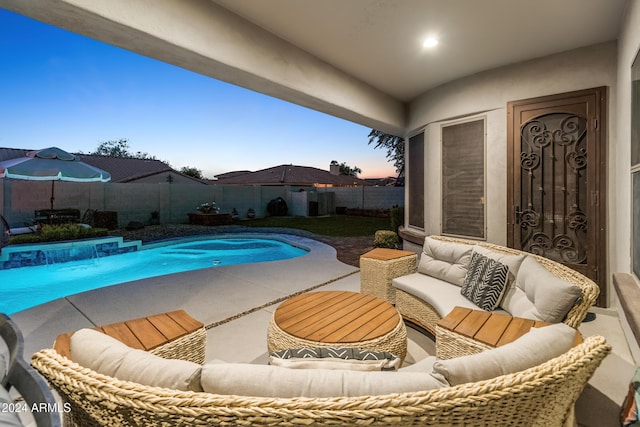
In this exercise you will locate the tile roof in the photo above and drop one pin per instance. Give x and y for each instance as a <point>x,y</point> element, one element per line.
<point>289,175</point>
<point>121,169</point>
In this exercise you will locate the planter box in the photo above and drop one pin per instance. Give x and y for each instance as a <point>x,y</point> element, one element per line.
<point>210,219</point>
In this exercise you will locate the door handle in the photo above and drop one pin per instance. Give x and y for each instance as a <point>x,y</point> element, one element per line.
<point>517,213</point>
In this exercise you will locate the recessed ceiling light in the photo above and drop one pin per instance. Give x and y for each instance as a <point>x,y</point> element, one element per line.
<point>430,42</point>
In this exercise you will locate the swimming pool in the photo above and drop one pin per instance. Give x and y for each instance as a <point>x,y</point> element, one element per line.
<point>22,288</point>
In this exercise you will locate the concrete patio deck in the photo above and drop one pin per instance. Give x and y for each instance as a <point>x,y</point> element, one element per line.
<point>236,303</point>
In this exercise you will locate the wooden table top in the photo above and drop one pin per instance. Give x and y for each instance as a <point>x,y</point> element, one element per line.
<point>145,333</point>
<point>386,254</point>
<point>336,317</point>
<point>489,328</point>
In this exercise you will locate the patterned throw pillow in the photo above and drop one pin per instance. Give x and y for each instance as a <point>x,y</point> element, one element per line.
<point>485,281</point>
<point>335,358</point>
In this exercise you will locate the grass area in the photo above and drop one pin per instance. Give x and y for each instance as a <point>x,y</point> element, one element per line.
<point>339,225</point>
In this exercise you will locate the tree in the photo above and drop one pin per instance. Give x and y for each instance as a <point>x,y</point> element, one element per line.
<point>192,172</point>
<point>120,148</point>
<point>394,146</point>
<point>346,169</point>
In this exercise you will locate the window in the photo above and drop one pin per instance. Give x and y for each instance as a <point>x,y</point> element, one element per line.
<point>463,179</point>
<point>416,180</point>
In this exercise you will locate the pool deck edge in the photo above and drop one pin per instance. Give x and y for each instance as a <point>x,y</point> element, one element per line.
<point>209,295</point>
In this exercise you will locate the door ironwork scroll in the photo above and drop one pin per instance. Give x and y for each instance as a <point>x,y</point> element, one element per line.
<point>553,158</point>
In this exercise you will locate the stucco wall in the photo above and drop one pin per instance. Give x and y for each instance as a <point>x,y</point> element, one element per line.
<point>136,201</point>
<point>620,149</point>
<point>486,94</point>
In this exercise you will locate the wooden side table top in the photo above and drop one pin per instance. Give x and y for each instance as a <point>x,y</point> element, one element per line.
<point>489,328</point>
<point>145,333</point>
<point>338,317</point>
<point>385,254</point>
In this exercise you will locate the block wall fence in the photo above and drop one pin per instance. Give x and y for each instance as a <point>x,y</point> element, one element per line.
<point>135,201</point>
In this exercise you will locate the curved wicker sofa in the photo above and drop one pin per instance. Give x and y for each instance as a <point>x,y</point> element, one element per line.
<point>424,315</point>
<point>541,396</point>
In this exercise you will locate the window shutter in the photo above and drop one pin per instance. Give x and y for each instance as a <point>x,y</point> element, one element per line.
<point>463,179</point>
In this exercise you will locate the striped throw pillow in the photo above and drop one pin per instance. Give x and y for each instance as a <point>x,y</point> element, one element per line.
<point>485,282</point>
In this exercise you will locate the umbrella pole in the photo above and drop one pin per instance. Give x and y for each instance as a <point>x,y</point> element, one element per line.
<point>53,183</point>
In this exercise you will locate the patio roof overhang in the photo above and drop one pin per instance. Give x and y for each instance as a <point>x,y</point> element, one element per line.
<point>359,60</point>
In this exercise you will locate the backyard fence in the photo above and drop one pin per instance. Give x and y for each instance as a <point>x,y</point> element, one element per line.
<point>135,201</point>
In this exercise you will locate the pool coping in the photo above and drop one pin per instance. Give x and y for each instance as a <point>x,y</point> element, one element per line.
<point>210,295</point>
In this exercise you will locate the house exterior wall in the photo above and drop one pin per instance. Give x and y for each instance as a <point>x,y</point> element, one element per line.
<point>620,151</point>
<point>486,94</point>
<point>620,190</point>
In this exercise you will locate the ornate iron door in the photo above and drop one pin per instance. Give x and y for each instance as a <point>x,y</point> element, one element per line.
<point>553,161</point>
<point>557,180</point>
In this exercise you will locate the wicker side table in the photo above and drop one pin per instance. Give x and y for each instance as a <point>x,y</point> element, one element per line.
<point>465,331</point>
<point>380,266</point>
<point>172,335</point>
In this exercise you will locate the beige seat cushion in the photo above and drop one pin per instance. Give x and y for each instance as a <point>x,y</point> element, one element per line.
<point>447,261</point>
<point>273,381</point>
<point>442,296</point>
<point>530,350</point>
<point>539,294</point>
<point>108,356</point>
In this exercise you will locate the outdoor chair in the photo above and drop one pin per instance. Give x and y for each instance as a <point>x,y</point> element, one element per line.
<point>25,380</point>
<point>540,396</point>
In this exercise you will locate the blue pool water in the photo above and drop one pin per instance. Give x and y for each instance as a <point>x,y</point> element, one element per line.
<point>22,288</point>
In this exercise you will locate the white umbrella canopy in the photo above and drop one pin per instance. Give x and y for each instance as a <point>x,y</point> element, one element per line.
<point>52,164</point>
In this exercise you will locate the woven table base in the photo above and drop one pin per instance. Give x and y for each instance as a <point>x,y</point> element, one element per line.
<point>394,342</point>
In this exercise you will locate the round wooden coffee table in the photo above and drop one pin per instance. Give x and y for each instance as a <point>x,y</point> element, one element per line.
<point>337,319</point>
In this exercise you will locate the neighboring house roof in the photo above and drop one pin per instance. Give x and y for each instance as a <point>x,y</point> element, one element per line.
<point>122,169</point>
<point>290,175</point>
<point>231,174</point>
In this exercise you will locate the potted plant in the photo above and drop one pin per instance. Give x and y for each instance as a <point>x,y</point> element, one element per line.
<point>208,208</point>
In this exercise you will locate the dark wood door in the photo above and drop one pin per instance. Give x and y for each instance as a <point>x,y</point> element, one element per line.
<point>556,183</point>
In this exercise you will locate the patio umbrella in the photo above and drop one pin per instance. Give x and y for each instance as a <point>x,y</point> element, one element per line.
<point>51,164</point>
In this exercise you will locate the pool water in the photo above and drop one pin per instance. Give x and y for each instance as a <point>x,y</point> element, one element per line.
<point>22,288</point>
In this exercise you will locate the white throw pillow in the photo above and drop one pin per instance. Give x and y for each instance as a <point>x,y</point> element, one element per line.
<point>446,261</point>
<point>539,294</point>
<point>245,379</point>
<point>512,261</point>
<point>532,349</point>
<point>108,356</point>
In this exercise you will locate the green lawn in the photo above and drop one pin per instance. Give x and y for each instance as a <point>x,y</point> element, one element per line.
<point>340,225</point>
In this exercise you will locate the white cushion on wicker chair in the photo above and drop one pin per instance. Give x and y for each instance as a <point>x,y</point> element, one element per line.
<point>539,294</point>
<point>512,261</point>
<point>447,261</point>
<point>273,381</point>
<point>533,348</point>
<point>108,356</point>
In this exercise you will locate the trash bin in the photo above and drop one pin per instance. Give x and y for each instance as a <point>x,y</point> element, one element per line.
<point>313,208</point>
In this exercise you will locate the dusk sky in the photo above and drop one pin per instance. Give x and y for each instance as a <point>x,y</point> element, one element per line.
<point>61,89</point>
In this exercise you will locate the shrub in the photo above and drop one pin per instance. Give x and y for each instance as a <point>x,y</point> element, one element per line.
<point>386,239</point>
<point>54,233</point>
<point>397,217</point>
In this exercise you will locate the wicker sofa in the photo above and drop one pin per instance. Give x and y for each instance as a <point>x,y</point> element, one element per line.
<point>412,289</point>
<point>543,395</point>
